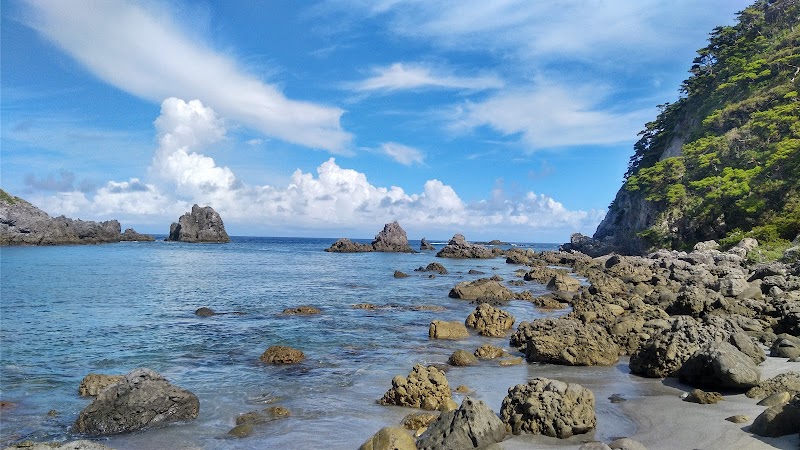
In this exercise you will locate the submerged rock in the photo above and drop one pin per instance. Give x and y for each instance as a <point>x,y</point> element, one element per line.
<point>200,225</point>
<point>280,354</point>
<point>458,247</point>
<point>142,399</point>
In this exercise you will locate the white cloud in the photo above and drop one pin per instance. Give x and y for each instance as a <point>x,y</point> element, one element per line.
<point>143,52</point>
<point>402,153</point>
<point>400,76</point>
<point>552,116</point>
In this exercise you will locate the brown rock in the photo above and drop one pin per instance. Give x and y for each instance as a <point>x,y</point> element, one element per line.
<point>279,354</point>
<point>94,383</point>
<point>440,329</point>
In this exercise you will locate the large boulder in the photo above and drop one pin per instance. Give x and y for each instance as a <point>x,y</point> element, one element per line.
<point>666,351</point>
<point>142,399</point>
<point>779,420</point>
<point>390,438</point>
<point>425,245</point>
<point>94,383</point>
<point>281,354</point>
<point>565,341</point>
<point>439,329</point>
<point>482,288</point>
<point>472,425</point>
<point>786,346</point>
<point>490,321</point>
<point>722,366</point>
<point>424,387</point>
<point>391,239</point>
<point>549,407</point>
<point>785,382</point>
<point>199,225</point>
<point>458,247</point>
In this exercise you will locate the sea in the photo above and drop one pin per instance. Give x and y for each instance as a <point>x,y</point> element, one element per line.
<point>67,311</point>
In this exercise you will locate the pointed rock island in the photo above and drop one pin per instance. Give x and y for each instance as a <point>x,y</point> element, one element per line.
<point>200,225</point>
<point>393,238</point>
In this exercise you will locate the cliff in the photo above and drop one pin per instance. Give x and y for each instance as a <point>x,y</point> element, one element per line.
<point>723,162</point>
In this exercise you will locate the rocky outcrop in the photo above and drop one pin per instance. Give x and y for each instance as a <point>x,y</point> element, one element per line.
<point>778,420</point>
<point>131,235</point>
<point>424,387</point>
<point>94,383</point>
<point>440,329</point>
<point>142,399</point>
<point>720,365</point>
<point>785,382</point>
<point>549,407</point>
<point>392,239</point>
<point>481,289</point>
<point>22,223</point>
<point>458,247</point>
<point>433,267</point>
<point>472,425</point>
<point>565,341</point>
<point>425,245</point>
<point>280,354</point>
<point>198,226</point>
<point>490,321</point>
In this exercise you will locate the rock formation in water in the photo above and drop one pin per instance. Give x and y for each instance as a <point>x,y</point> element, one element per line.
<point>458,247</point>
<point>200,225</point>
<point>392,239</point>
<point>22,223</point>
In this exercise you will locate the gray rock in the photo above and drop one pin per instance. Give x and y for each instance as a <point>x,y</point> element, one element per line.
<point>390,438</point>
<point>458,247</point>
<point>742,341</point>
<point>199,225</point>
<point>143,399</point>
<point>425,245</point>
<point>391,239</point>
<point>778,420</point>
<point>549,407</point>
<point>786,346</point>
<point>490,321</point>
<point>739,418</point>
<point>565,341</point>
<point>788,382</point>
<point>721,366</point>
<point>472,425</point>
<point>72,445</point>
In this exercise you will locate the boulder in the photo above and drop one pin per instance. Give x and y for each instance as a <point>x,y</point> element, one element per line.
<point>424,387</point>
<point>482,288</point>
<point>204,311</point>
<point>390,438</point>
<point>94,383</point>
<point>399,274</point>
<point>142,399</point>
<point>280,354</point>
<point>132,236</point>
<point>458,247</point>
<point>199,225</point>
<point>490,321</point>
<point>565,341</point>
<point>778,398</point>
<point>472,425</point>
<point>745,344</point>
<point>487,351</point>
<point>416,421</point>
<point>786,346</point>
<point>703,397</point>
<point>440,329</point>
<point>302,310</point>
<point>778,420</point>
<point>549,407</point>
<point>391,239</point>
<point>722,366</point>
<point>433,267</point>
<point>462,358</point>
<point>425,245</point>
<point>785,382</point>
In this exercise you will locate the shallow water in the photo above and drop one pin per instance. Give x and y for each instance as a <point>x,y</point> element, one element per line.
<point>69,311</point>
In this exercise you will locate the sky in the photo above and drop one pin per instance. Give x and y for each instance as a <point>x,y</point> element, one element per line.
<point>501,119</point>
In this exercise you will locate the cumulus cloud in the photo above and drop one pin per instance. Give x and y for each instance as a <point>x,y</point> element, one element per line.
<point>400,76</point>
<point>402,153</point>
<point>143,52</point>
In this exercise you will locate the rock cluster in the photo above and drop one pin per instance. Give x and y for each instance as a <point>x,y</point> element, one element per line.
<point>549,407</point>
<point>458,247</point>
<point>199,225</point>
<point>490,321</point>
<point>393,238</point>
<point>142,399</point>
<point>424,387</point>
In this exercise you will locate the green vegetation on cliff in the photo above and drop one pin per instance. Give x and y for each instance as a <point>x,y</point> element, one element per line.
<point>723,162</point>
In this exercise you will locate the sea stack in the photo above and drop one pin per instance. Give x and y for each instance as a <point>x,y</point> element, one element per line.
<point>200,225</point>
<point>393,238</point>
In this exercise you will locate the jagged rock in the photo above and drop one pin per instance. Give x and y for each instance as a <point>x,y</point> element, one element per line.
<point>416,421</point>
<point>565,341</point>
<point>742,341</point>
<point>458,247</point>
<point>399,274</point>
<point>440,329</point>
<point>392,239</point>
<point>142,399</point>
<point>778,420</point>
<point>785,382</point>
<point>666,351</point>
<point>94,383</point>
<point>549,407</point>
<point>424,387</point>
<point>390,438</point>
<point>490,321</point>
<point>280,354</point>
<point>22,223</point>
<point>472,425</point>
<point>785,346</point>
<point>433,267</point>
<point>131,235</point>
<point>487,351</point>
<point>425,245</point>
<point>703,397</point>
<point>720,365</point>
<point>482,288</point>
<point>303,310</point>
<point>199,225</point>
<point>462,358</point>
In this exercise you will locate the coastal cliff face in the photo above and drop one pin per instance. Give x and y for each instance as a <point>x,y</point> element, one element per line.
<point>201,224</point>
<point>723,162</point>
<point>22,223</point>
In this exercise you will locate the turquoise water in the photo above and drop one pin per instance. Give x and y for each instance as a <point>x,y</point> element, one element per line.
<point>71,310</point>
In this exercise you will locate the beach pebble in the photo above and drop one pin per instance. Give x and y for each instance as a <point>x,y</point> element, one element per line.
<point>703,397</point>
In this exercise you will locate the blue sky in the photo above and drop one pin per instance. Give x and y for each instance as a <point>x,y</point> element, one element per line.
<point>502,119</point>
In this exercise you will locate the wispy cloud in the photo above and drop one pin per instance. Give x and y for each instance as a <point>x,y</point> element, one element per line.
<point>402,153</point>
<point>402,76</point>
<point>143,52</point>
